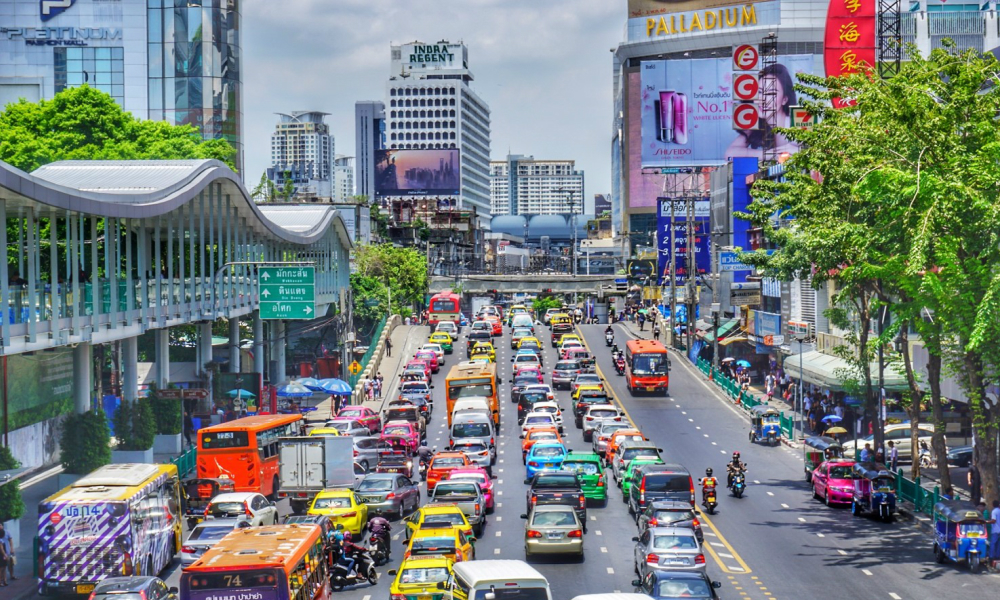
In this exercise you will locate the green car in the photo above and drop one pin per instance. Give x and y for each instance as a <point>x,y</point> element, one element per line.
<point>587,466</point>
<point>444,339</point>
<point>627,477</point>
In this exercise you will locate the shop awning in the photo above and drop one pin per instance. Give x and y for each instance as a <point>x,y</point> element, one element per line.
<point>732,339</point>
<point>829,372</point>
<point>724,328</point>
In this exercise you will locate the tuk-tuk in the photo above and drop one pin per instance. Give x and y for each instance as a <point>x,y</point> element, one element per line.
<point>874,490</point>
<point>960,534</point>
<point>820,448</point>
<point>395,457</point>
<point>199,492</point>
<point>765,424</point>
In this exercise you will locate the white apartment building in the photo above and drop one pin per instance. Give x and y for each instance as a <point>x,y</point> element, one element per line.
<point>343,178</point>
<point>431,106</point>
<point>302,149</point>
<point>522,185</point>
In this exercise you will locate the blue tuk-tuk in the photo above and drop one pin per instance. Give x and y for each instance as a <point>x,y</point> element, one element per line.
<point>765,424</point>
<point>874,490</point>
<point>960,534</point>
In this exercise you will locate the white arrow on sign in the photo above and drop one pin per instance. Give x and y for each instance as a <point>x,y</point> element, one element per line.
<point>308,310</point>
<point>265,293</point>
<point>265,275</point>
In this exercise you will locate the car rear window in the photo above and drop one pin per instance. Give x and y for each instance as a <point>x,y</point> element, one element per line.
<point>117,596</point>
<point>223,509</point>
<point>672,516</point>
<point>603,413</point>
<point>631,453</point>
<point>209,533</point>
<point>461,430</point>
<point>445,490</point>
<point>450,461</point>
<point>432,545</point>
<point>584,468</point>
<point>375,485</point>
<point>555,481</point>
<point>667,483</point>
<point>549,451</point>
<point>334,502</point>
<point>538,419</point>
<point>674,542</point>
<point>567,366</point>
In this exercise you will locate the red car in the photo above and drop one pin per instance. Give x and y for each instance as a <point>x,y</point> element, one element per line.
<point>478,475</point>
<point>368,417</point>
<point>414,364</point>
<point>442,464</point>
<point>402,431</point>
<point>496,324</point>
<point>430,358</point>
<point>832,482</point>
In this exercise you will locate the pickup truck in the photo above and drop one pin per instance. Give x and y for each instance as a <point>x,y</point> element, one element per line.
<point>468,496</point>
<point>557,487</point>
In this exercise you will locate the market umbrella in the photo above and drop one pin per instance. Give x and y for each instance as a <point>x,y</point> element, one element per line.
<point>294,390</point>
<point>728,359</point>
<point>241,394</point>
<point>832,419</point>
<point>643,311</point>
<point>835,430</point>
<point>743,363</point>
<point>335,387</point>
<point>311,383</point>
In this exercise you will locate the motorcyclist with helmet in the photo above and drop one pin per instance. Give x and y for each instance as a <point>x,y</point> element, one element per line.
<point>708,482</point>
<point>733,467</point>
<point>380,528</point>
<point>424,456</point>
<point>350,553</point>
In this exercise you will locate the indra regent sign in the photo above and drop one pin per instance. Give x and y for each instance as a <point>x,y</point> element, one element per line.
<point>432,54</point>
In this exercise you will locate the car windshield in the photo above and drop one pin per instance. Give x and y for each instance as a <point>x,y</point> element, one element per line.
<point>683,588</point>
<point>631,453</point>
<point>399,430</point>
<point>532,397</point>
<point>375,485</point>
<point>466,447</point>
<point>333,502</point>
<point>672,516</point>
<point>547,409</point>
<point>548,451</point>
<point>339,425</point>
<point>584,468</point>
<point>567,366</point>
<point>222,509</point>
<point>840,472</point>
<point>414,387</point>
<point>437,521</point>
<point>674,542</point>
<point>118,596</point>
<point>462,430</point>
<point>446,490</point>
<point>208,532</point>
<point>561,518</point>
<point>526,358</point>
<point>608,427</point>
<point>430,575</point>
<point>477,477</point>
<point>667,483</point>
<point>649,364</point>
<point>448,461</point>
<point>603,413</point>
<point>351,412</point>
<point>543,435</point>
<point>587,379</point>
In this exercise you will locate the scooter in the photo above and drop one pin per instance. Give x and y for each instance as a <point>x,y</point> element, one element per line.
<point>364,570</point>
<point>620,366</point>
<point>739,484</point>
<point>708,499</point>
<point>378,547</point>
<point>609,339</point>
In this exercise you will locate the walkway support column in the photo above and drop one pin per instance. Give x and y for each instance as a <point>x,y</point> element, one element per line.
<point>278,351</point>
<point>83,366</point>
<point>162,344</point>
<point>258,343</point>
<point>130,369</point>
<point>204,352</point>
<point>234,345</point>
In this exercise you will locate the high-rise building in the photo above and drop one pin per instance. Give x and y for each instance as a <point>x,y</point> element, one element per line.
<point>431,106</point>
<point>302,150</point>
<point>171,60</point>
<point>522,185</point>
<point>369,137</point>
<point>343,178</point>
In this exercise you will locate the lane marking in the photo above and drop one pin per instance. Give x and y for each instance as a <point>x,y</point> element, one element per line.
<point>866,572</point>
<point>714,444</point>
<point>801,520</point>
<point>820,535</point>
<point>770,493</point>
<point>593,518</point>
<point>604,550</point>
<point>498,533</point>
<point>895,596</point>
<point>598,532</point>
<point>726,555</point>
<point>717,544</point>
<point>611,571</point>
<point>705,434</point>
<point>842,553</point>
<point>498,519</point>
<point>697,427</point>
<point>496,551</point>
<point>783,505</point>
<point>757,481</point>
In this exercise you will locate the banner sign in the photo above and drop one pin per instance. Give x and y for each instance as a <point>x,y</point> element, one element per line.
<point>679,226</point>
<point>850,40</point>
<point>730,262</point>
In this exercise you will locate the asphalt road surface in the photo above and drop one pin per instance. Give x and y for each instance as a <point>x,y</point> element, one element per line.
<point>774,543</point>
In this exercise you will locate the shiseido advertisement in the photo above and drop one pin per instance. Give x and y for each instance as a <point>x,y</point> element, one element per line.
<point>687,110</point>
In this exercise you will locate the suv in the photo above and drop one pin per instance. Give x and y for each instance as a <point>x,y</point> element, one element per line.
<point>597,414</point>
<point>659,482</point>
<point>564,373</point>
<point>667,513</point>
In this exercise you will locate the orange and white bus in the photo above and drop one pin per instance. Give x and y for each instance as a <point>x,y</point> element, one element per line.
<point>470,380</point>
<point>245,451</point>
<point>277,562</point>
<point>444,307</point>
<point>647,367</point>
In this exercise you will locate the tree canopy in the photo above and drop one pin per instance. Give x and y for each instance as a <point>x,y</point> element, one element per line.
<point>384,270</point>
<point>83,123</point>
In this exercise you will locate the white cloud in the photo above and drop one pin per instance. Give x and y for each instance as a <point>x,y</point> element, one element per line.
<point>542,65</point>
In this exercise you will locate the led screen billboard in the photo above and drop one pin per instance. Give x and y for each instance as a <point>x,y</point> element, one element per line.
<point>679,224</point>
<point>645,8</point>
<point>686,110</point>
<point>416,172</point>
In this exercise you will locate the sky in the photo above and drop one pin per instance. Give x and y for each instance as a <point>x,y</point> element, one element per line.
<point>543,66</point>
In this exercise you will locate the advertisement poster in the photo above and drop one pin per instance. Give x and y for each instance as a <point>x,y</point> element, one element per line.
<point>37,386</point>
<point>687,110</point>
<point>703,259</point>
<point>646,8</point>
<point>416,172</point>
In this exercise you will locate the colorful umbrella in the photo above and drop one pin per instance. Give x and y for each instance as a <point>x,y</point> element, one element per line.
<point>241,393</point>
<point>294,390</point>
<point>835,430</point>
<point>311,383</point>
<point>832,419</point>
<point>743,363</point>
<point>336,387</point>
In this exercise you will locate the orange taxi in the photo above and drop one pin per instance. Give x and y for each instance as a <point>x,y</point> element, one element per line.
<point>539,434</point>
<point>617,438</point>
<point>442,464</point>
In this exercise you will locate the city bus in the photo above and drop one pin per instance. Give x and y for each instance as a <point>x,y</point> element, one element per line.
<point>468,379</point>
<point>647,367</point>
<point>444,307</point>
<point>277,562</point>
<point>118,520</point>
<point>245,451</point>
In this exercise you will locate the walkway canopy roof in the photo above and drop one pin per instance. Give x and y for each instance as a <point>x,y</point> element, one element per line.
<point>830,372</point>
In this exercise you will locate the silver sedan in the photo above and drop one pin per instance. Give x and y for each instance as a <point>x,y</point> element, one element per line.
<point>205,535</point>
<point>667,549</point>
<point>388,494</point>
<point>553,529</point>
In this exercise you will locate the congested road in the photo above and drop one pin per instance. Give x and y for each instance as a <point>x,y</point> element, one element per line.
<point>776,542</point>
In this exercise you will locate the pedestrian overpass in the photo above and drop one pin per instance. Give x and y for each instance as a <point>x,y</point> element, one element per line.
<point>556,283</point>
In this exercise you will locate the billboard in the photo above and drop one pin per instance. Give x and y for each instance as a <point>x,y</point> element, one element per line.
<point>686,110</point>
<point>416,172</point>
<point>679,225</point>
<point>646,8</point>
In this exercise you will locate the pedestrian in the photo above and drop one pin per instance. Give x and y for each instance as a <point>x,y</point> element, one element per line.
<point>188,427</point>
<point>893,456</point>
<point>6,556</point>
<point>975,483</point>
<point>642,320</point>
<point>769,384</point>
<point>866,453</point>
<point>378,385</point>
<point>388,346</point>
<point>948,494</point>
<point>995,531</point>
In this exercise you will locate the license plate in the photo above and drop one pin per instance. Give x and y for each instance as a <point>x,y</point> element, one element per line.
<point>85,588</point>
<point>677,561</point>
<point>973,534</point>
<point>548,464</point>
<point>554,535</point>
<point>650,388</point>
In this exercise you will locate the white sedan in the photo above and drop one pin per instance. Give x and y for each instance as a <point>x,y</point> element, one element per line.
<point>436,349</point>
<point>537,419</point>
<point>551,408</point>
<point>250,506</point>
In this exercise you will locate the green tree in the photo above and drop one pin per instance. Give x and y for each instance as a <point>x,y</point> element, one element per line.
<point>384,270</point>
<point>84,442</point>
<point>543,303</point>
<point>895,200</point>
<point>264,191</point>
<point>83,123</point>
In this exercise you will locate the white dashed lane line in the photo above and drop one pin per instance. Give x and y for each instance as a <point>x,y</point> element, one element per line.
<point>496,551</point>
<point>801,520</point>
<point>783,505</point>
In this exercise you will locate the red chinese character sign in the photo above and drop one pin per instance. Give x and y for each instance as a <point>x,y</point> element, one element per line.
<point>850,39</point>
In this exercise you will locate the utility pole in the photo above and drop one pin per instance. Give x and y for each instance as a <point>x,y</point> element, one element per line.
<point>673,273</point>
<point>691,271</point>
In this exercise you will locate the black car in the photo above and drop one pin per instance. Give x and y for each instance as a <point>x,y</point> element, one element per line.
<point>518,385</point>
<point>526,402</point>
<point>960,456</point>
<point>664,585</point>
<point>133,588</point>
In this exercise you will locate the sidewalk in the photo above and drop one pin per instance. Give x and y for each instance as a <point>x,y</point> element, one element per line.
<point>33,491</point>
<point>405,341</point>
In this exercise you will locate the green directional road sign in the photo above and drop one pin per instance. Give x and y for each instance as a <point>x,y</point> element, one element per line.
<point>287,292</point>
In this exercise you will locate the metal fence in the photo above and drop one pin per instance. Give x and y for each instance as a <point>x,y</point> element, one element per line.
<point>367,358</point>
<point>908,490</point>
<point>186,461</point>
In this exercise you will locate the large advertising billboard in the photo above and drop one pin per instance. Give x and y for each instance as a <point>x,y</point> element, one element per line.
<point>686,110</point>
<point>416,172</point>
<point>680,225</point>
<point>646,8</point>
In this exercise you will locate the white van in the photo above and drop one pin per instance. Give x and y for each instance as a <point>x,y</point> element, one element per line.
<point>472,403</point>
<point>497,580</point>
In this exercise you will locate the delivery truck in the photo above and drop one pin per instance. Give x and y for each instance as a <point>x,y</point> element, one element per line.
<point>311,464</point>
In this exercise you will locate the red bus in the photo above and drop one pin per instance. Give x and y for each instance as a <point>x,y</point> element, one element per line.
<point>444,307</point>
<point>647,367</point>
<point>278,562</point>
<point>245,451</point>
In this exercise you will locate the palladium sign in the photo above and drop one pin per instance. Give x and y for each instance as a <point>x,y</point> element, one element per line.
<point>61,36</point>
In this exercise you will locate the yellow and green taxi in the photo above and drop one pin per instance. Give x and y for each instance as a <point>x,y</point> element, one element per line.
<point>529,341</point>
<point>343,508</point>
<point>440,337</point>
<point>437,516</point>
<point>590,473</point>
<point>324,431</point>
<point>451,542</point>
<point>418,578</point>
<point>570,336</point>
<point>587,390</point>
<point>484,349</point>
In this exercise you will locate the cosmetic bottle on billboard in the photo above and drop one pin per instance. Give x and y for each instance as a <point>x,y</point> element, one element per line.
<point>666,114</point>
<point>680,111</point>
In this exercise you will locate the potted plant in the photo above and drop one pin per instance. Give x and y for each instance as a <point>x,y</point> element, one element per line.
<point>168,414</point>
<point>135,431</point>
<point>11,502</point>
<point>84,445</point>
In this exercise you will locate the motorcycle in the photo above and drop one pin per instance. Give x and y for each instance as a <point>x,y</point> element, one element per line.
<point>708,499</point>
<point>364,570</point>
<point>609,339</point>
<point>926,457</point>
<point>423,471</point>
<point>620,366</point>
<point>378,547</point>
<point>739,484</point>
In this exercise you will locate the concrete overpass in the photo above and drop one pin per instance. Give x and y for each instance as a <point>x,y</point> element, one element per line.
<point>557,283</point>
